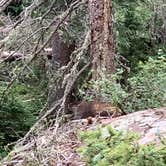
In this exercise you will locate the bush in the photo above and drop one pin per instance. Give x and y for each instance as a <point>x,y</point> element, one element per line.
<point>145,89</point>
<point>106,89</point>
<point>15,120</point>
<point>148,86</point>
<point>18,111</point>
<point>106,146</point>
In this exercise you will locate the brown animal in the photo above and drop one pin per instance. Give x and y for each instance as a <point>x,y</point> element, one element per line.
<point>90,109</point>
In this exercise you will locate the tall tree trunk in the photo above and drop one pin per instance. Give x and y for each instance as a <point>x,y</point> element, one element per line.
<point>102,44</point>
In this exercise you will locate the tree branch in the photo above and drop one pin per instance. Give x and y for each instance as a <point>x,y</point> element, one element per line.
<point>4,4</point>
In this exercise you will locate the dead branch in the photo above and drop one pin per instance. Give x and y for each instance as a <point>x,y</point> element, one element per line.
<point>72,77</point>
<point>62,17</point>
<point>72,7</point>
<point>4,4</point>
<point>6,56</point>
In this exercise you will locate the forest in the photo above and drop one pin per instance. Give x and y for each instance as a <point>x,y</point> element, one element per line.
<point>82,82</point>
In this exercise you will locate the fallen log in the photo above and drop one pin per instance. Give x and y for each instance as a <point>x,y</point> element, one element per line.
<point>11,56</point>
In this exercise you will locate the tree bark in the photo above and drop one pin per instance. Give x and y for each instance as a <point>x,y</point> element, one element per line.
<point>102,44</point>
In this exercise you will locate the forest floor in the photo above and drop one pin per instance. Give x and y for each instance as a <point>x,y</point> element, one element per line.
<point>58,145</point>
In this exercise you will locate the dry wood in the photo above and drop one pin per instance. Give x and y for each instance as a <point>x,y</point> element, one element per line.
<point>63,17</point>
<point>4,4</point>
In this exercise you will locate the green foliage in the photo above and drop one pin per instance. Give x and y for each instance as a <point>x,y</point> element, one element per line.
<point>16,7</point>
<point>106,88</point>
<point>21,105</point>
<point>134,23</point>
<point>15,119</point>
<point>145,89</point>
<point>18,112</point>
<point>106,146</point>
<point>148,86</point>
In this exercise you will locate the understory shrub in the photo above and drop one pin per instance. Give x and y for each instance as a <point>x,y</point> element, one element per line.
<point>15,120</point>
<point>107,88</point>
<point>148,86</point>
<point>18,111</point>
<point>20,105</point>
<point>106,146</point>
<point>145,89</point>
